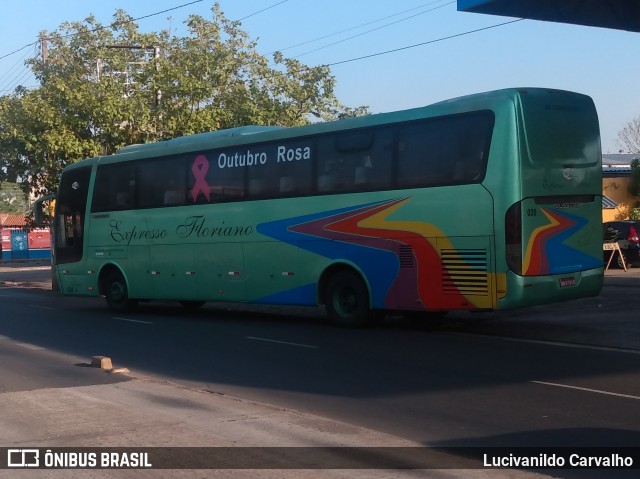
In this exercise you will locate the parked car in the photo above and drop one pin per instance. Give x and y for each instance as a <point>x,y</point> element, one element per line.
<point>626,234</point>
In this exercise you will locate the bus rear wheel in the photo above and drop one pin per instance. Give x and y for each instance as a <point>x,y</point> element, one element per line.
<point>347,300</point>
<point>117,293</point>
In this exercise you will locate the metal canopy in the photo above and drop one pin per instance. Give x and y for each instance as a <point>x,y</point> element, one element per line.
<point>617,14</point>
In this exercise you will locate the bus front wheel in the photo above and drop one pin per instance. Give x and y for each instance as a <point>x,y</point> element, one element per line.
<point>347,300</point>
<point>117,293</point>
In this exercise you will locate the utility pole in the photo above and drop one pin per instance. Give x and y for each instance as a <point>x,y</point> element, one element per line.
<point>156,55</point>
<point>158,96</point>
<point>43,47</point>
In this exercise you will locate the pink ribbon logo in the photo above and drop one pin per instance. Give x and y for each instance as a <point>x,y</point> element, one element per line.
<point>199,169</point>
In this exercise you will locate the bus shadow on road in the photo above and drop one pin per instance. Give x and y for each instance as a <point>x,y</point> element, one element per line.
<point>233,312</point>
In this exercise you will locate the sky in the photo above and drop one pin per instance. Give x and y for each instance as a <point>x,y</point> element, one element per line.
<point>452,61</point>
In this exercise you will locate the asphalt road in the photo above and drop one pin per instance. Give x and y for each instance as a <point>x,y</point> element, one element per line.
<point>558,375</point>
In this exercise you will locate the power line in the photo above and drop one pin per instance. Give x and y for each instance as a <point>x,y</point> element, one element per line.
<point>263,10</point>
<point>108,26</point>
<point>377,28</point>
<point>18,50</point>
<point>422,43</point>
<point>6,77</point>
<point>19,77</point>
<point>25,76</point>
<point>164,11</point>
<point>25,73</point>
<point>117,24</point>
<point>352,28</point>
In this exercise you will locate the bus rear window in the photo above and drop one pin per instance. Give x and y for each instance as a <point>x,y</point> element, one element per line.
<point>562,130</point>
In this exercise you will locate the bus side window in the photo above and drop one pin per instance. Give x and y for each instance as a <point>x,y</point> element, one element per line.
<point>161,182</point>
<point>419,162</point>
<point>446,151</point>
<point>469,168</point>
<point>212,182</point>
<point>355,161</point>
<point>123,200</point>
<point>114,188</point>
<point>328,177</point>
<point>363,172</point>
<point>287,184</point>
<point>173,197</point>
<point>287,172</point>
<point>256,187</point>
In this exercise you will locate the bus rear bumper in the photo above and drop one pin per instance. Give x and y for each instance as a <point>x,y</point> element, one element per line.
<point>523,291</point>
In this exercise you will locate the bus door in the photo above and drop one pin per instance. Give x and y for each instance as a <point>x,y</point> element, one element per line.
<point>71,205</point>
<point>69,227</point>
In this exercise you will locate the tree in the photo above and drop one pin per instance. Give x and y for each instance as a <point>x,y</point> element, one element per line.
<point>12,199</point>
<point>629,136</point>
<point>634,189</point>
<point>102,87</point>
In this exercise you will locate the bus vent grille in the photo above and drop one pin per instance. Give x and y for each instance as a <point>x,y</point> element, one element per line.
<point>464,271</point>
<point>405,254</point>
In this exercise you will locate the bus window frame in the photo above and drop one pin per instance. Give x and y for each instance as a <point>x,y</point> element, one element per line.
<point>223,193</point>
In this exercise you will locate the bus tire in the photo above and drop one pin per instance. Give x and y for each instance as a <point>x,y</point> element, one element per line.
<point>347,300</point>
<point>117,293</point>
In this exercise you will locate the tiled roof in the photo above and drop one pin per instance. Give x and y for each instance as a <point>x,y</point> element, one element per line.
<point>617,165</point>
<point>616,172</point>
<point>12,221</point>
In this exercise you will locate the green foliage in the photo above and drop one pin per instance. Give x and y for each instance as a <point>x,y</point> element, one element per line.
<point>94,98</point>
<point>634,183</point>
<point>12,199</point>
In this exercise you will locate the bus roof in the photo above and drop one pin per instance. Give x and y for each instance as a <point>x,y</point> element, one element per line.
<point>211,136</point>
<point>253,133</point>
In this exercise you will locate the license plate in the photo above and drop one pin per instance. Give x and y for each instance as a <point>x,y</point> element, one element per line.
<point>567,282</point>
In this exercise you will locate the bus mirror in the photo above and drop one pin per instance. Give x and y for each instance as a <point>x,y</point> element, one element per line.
<point>43,210</point>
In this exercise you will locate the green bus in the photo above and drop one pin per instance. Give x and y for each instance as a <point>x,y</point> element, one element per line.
<point>485,202</point>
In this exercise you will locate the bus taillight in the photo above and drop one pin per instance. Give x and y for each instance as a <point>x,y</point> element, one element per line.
<point>513,238</point>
